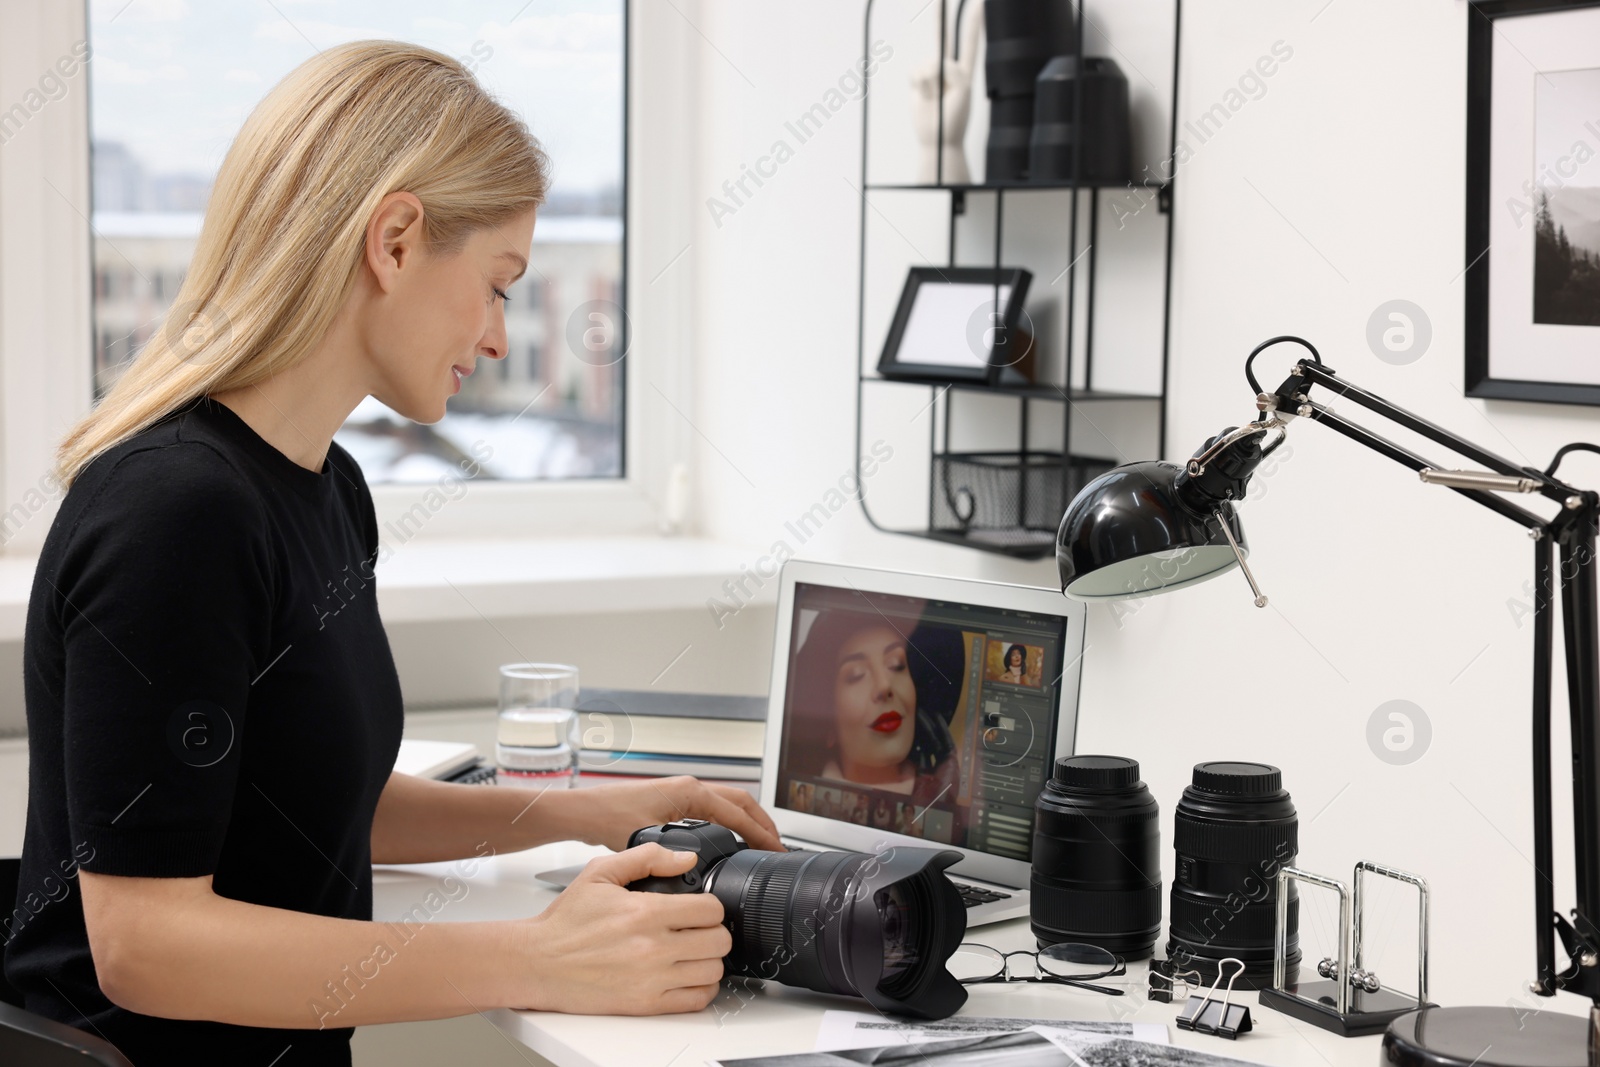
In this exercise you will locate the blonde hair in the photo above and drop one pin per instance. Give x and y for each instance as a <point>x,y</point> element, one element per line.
<point>284,236</point>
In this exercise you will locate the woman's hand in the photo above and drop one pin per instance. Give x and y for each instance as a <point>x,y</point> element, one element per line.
<point>602,950</point>
<point>608,814</point>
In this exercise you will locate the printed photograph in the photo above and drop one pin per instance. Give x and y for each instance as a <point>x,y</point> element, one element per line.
<point>1566,263</point>
<point>1046,1047</point>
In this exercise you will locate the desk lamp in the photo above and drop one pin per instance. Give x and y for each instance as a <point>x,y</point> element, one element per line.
<point>1146,528</point>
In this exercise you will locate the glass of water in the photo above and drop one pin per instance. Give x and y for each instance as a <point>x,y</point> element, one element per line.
<point>537,742</point>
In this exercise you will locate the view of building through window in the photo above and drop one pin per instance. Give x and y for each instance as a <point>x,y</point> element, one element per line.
<point>163,113</point>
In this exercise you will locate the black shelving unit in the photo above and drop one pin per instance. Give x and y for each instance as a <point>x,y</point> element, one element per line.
<point>1010,501</point>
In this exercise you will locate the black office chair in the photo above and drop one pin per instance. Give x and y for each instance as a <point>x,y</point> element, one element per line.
<point>29,1040</point>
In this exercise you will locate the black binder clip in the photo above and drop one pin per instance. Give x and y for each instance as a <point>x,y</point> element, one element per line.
<point>1165,988</point>
<point>1219,1017</point>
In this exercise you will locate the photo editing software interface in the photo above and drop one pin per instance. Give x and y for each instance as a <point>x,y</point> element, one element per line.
<point>923,717</point>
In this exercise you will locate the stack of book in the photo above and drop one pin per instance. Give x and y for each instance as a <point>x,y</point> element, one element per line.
<point>628,734</point>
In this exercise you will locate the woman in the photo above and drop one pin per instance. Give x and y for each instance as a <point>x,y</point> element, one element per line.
<point>1016,664</point>
<point>856,714</point>
<point>212,720</point>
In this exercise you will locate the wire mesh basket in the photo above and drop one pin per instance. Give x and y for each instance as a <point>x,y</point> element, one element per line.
<point>1007,500</point>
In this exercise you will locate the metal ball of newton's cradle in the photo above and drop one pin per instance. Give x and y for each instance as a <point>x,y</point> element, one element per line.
<point>1360,978</point>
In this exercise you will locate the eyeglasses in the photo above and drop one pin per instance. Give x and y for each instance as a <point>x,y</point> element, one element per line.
<point>1068,964</point>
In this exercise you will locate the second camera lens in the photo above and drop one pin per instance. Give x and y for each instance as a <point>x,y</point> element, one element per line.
<point>1234,829</point>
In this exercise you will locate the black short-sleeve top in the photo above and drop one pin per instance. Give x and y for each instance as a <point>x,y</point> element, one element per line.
<point>209,691</point>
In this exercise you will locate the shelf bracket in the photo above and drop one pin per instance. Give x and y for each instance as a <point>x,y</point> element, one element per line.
<point>1164,199</point>
<point>958,201</point>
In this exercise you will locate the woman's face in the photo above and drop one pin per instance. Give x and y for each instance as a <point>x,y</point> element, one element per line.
<point>1015,659</point>
<point>437,314</point>
<point>874,700</point>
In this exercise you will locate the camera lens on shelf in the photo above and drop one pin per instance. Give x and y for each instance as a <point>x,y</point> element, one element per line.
<point>1096,876</point>
<point>1233,830</point>
<point>1022,37</point>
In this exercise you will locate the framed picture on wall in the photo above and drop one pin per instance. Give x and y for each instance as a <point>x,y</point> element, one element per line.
<point>1533,200</point>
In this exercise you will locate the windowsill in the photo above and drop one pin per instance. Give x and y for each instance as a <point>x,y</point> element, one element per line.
<point>504,578</point>
<point>498,578</point>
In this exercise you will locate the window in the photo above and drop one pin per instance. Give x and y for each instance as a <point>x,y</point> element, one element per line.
<point>173,81</point>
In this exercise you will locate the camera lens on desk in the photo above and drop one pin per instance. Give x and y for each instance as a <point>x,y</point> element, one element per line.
<point>1233,830</point>
<point>1096,876</point>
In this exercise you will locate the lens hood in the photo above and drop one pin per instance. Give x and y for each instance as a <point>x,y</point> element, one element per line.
<point>927,989</point>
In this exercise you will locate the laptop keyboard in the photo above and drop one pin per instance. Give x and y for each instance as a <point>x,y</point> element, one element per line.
<point>971,895</point>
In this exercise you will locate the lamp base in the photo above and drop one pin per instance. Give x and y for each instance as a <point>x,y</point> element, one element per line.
<point>1486,1037</point>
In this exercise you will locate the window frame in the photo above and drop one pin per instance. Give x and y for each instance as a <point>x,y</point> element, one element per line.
<point>46,304</point>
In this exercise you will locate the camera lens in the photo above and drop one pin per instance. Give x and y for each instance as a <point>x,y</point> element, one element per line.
<point>1096,876</point>
<point>1233,830</point>
<point>877,926</point>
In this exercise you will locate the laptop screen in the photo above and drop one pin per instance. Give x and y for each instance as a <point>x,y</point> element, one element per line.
<point>922,717</point>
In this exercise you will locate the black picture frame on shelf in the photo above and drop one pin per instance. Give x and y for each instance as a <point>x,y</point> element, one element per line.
<point>945,330</point>
<point>1533,200</point>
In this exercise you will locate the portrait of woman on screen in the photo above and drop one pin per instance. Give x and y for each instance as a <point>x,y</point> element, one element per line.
<point>872,701</point>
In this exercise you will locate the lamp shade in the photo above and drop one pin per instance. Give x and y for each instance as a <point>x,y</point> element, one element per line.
<point>1131,533</point>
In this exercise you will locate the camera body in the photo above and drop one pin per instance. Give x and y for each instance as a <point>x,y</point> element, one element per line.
<point>710,842</point>
<point>878,926</point>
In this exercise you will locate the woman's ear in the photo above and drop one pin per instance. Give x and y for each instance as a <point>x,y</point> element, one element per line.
<point>393,235</point>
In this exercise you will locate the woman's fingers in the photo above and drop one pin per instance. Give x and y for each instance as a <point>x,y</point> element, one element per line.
<point>690,998</point>
<point>635,863</point>
<point>711,943</point>
<point>727,811</point>
<point>755,811</point>
<point>601,949</point>
<point>688,911</point>
<point>691,974</point>
<point>724,805</point>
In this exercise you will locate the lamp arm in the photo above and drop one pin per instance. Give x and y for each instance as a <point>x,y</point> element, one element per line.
<point>1407,458</point>
<point>1318,374</point>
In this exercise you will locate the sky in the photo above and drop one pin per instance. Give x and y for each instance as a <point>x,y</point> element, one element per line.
<point>175,79</point>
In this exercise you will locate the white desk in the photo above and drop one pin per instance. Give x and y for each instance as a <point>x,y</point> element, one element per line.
<point>781,1019</point>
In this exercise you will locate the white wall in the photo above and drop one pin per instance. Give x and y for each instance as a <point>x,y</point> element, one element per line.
<point>1337,190</point>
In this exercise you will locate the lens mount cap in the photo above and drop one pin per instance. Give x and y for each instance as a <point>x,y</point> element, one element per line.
<point>1232,778</point>
<point>1096,772</point>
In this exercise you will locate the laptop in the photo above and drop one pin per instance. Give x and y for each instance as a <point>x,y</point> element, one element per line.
<point>910,709</point>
